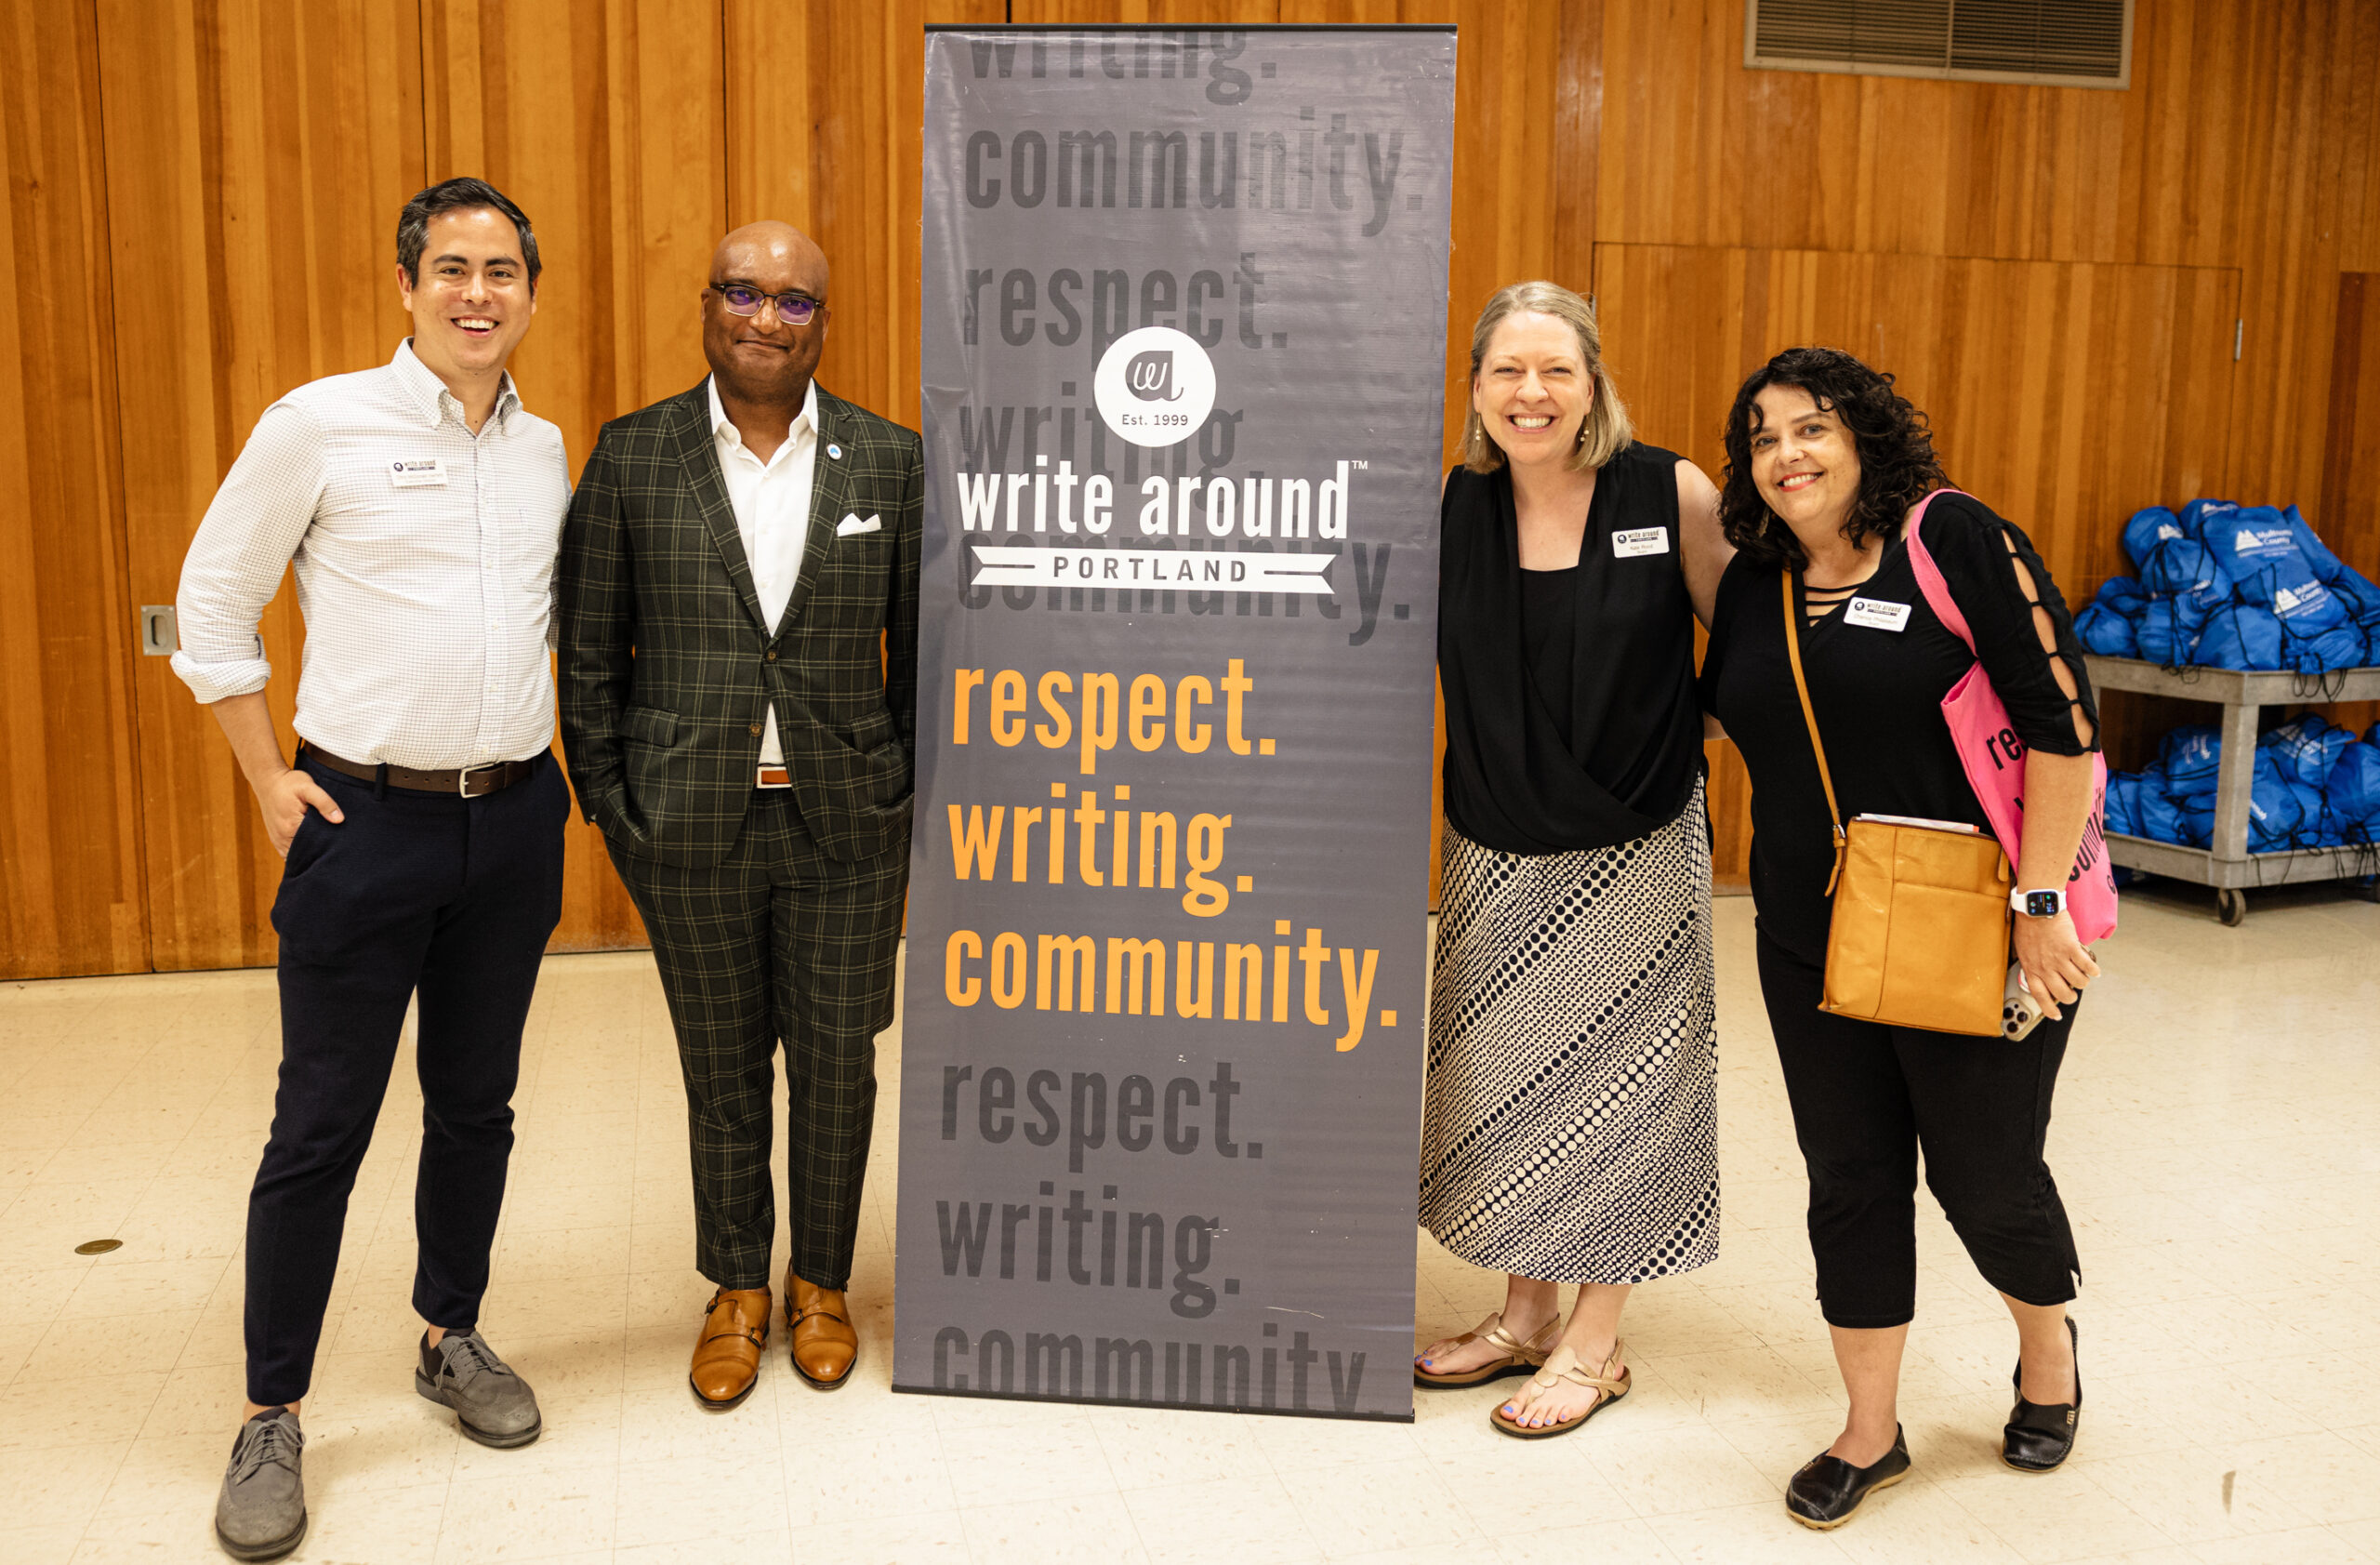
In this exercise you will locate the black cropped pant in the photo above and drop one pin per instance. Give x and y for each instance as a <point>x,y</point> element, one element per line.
<point>1868,1097</point>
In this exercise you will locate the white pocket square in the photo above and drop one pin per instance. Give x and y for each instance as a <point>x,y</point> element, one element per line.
<point>850,524</point>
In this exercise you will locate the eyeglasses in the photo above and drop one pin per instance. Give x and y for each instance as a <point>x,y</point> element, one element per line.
<point>794,310</point>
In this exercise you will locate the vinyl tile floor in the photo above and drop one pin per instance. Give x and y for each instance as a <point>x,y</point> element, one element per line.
<point>2217,1141</point>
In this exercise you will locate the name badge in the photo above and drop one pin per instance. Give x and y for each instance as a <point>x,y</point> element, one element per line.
<point>428,474</point>
<point>1641,540</point>
<point>1877,615</point>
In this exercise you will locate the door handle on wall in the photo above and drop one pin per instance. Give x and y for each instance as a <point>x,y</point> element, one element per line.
<point>159,635</point>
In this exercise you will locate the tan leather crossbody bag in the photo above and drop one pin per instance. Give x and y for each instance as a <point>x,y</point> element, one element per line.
<point>1920,937</point>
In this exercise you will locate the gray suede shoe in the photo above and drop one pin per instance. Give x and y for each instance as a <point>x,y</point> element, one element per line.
<point>262,1513</point>
<point>494,1406</point>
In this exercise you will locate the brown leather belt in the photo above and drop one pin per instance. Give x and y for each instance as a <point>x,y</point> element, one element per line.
<point>468,782</point>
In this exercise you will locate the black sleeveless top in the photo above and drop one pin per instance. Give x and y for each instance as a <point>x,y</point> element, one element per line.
<point>1548,631</point>
<point>1534,764</point>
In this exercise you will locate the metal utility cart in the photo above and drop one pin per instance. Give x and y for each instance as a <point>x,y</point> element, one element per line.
<point>2228,867</point>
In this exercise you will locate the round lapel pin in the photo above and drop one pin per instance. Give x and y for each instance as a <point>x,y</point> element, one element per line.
<point>835,451</point>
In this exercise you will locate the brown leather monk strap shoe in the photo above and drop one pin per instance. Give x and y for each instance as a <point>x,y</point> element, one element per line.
<point>825,1347</point>
<point>727,1356</point>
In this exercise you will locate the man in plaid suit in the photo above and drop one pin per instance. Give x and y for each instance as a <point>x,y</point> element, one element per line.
<point>735,559</point>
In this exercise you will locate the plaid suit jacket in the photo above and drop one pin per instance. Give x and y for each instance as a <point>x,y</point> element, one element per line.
<point>668,671</point>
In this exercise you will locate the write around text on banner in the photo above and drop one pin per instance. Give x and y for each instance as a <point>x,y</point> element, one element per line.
<point>1184,310</point>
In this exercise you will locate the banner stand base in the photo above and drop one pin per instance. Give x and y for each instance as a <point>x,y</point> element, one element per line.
<point>1258,1412</point>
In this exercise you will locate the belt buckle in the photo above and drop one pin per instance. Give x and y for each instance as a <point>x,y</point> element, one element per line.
<point>784,778</point>
<point>463,779</point>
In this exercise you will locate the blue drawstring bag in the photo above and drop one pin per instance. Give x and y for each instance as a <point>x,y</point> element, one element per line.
<point>2196,515</point>
<point>2324,652</point>
<point>2191,759</point>
<point>2185,568</point>
<point>2104,630</point>
<point>2361,596</point>
<point>2306,748</point>
<point>2352,790</point>
<point>2188,758</point>
<point>2167,631</point>
<point>2122,814</point>
<point>2275,810</point>
<point>2257,549</point>
<point>2155,810</point>
<point>2325,564</point>
<point>2240,636</point>
<point>2274,814</point>
<point>2122,593</point>
<point>2146,529</point>
<point>2315,828</point>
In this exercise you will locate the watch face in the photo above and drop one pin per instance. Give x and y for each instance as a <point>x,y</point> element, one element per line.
<point>2042,904</point>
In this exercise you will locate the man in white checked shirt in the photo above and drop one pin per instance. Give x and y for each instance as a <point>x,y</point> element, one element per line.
<point>421,505</point>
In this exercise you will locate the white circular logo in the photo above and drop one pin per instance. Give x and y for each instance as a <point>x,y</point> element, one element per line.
<point>1154,386</point>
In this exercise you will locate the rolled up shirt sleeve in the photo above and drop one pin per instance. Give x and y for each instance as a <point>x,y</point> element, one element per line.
<point>256,522</point>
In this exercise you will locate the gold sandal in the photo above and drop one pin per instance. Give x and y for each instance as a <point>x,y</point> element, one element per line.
<point>1565,1364</point>
<point>1519,1356</point>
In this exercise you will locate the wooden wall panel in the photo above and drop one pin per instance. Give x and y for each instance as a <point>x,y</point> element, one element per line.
<point>1528,89</point>
<point>2305,185</point>
<point>2247,141</point>
<point>1528,86</point>
<point>254,152</point>
<point>826,132</point>
<point>2247,147</point>
<point>72,898</point>
<point>2057,391</point>
<point>2347,514</point>
<point>605,124</point>
<point>1152,13</point>
<point>2233,108</point>
<point>257,154</point>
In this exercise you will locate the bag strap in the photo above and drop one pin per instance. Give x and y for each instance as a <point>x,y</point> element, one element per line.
<point>1802,688</point>
<point>1929,574</point>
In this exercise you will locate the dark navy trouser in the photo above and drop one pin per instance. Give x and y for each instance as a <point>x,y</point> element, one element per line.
<point>421,892</point>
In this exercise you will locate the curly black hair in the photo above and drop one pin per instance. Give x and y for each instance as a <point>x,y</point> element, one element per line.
<point>1897,467</point>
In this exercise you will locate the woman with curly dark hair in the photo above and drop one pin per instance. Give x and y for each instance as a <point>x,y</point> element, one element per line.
<point>1828,470</point>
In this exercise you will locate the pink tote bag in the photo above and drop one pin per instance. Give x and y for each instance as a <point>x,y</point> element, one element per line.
<point>1994,759</point>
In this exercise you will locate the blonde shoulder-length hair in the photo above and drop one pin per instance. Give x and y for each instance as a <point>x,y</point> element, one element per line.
<point>1604,432</point>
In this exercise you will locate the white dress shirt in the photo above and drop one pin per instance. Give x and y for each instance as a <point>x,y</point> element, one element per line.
<point>771,504</point>
<point>424,564</point>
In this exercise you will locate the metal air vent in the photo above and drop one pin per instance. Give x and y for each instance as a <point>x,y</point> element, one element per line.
<point>2065,43</point>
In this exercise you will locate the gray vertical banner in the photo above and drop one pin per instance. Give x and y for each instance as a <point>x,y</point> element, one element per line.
<point>1184,334</point>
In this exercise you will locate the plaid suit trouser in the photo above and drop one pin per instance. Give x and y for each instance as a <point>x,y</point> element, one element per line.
<point>778,942</point>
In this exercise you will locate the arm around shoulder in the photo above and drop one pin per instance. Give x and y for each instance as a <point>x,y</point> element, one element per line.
<point>1704,549</point>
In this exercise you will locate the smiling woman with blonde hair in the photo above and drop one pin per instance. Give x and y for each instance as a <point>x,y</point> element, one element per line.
<point>1570,1128</point>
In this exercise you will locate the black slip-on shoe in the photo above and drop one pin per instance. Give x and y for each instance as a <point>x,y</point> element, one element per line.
<point>2040,1436</point>
<point>1828,1492</point>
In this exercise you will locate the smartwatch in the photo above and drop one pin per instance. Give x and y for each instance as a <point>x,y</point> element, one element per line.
<point>2038,904</point>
